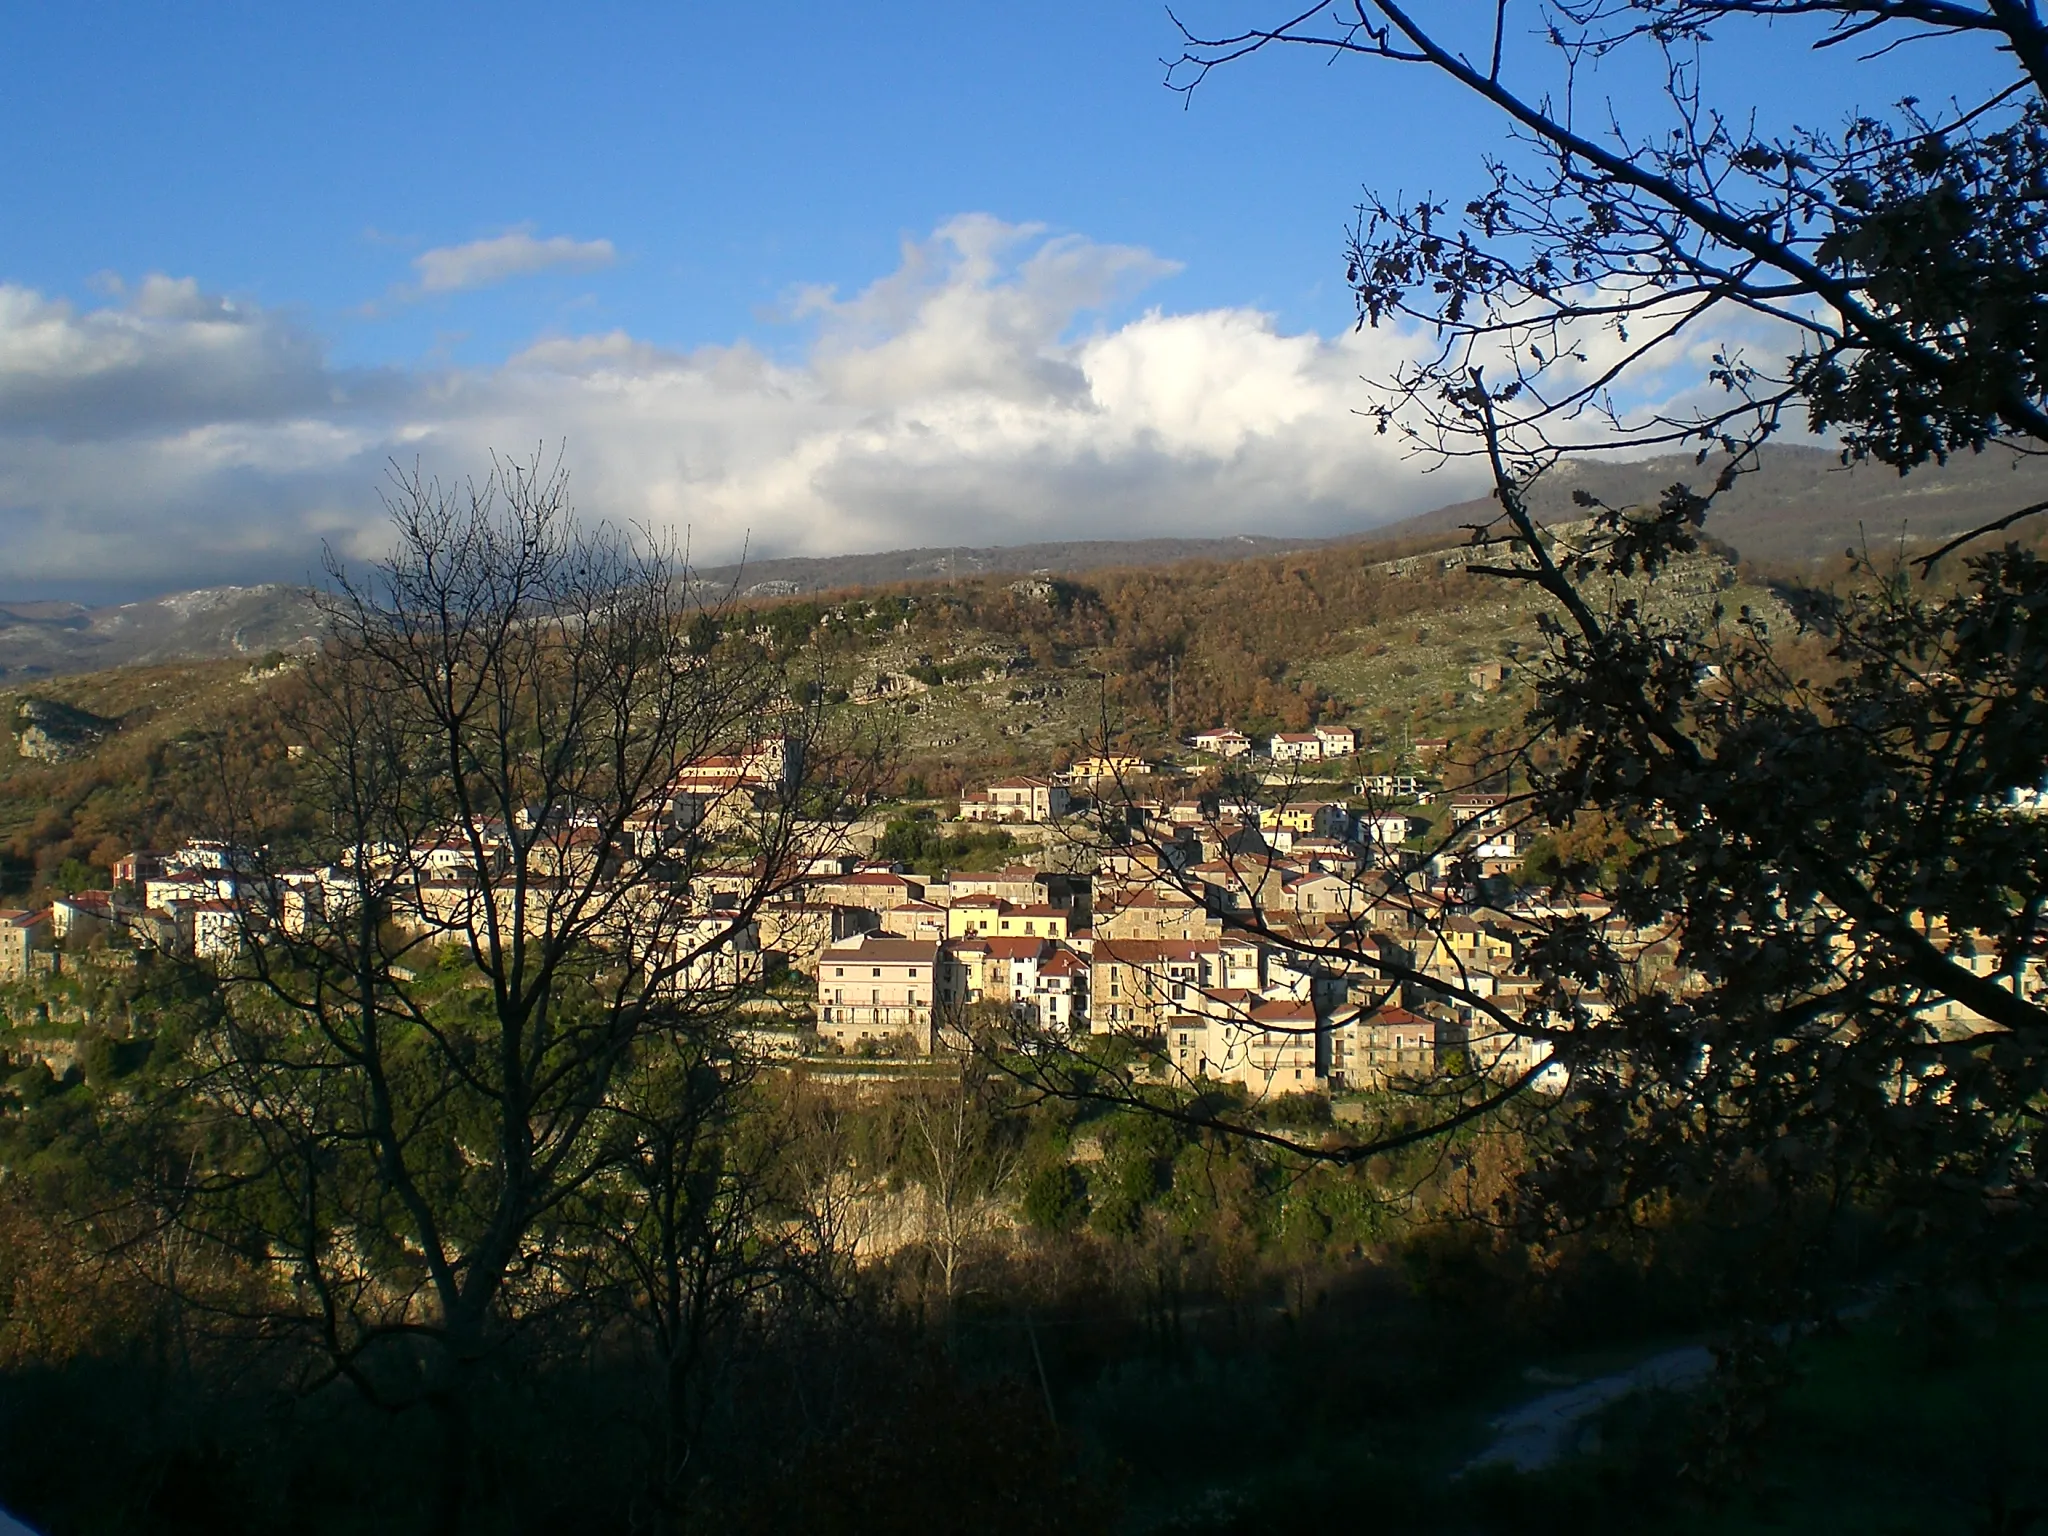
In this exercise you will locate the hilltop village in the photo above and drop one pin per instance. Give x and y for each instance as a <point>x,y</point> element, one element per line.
<point>820,778</point>
<point>1218,931</point>
<point>1311,906</point>
<point>1290,935</point>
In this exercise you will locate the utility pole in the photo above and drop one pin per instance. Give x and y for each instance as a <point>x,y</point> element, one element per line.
<point>1172,728</point>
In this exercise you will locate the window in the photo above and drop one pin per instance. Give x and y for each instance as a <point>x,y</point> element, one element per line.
<point>878,970</point>
<point>838,970</point>
<point>913,973</point>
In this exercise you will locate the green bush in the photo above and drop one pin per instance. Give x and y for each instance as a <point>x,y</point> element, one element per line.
<point>1055,1198</point>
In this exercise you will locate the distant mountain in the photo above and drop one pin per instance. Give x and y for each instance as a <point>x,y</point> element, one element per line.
<point>826,573</point>
<point>43,639</point>
<point>1800,505</point>
<point>48,639</point>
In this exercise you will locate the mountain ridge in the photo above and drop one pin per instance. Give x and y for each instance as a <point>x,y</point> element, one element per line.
<point>1800,505</point>
<point>44,639</point>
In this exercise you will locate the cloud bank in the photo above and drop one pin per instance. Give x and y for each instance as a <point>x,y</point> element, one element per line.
<point>171,438</point>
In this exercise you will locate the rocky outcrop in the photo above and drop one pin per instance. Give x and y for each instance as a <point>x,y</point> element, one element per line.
<point>56,732</point>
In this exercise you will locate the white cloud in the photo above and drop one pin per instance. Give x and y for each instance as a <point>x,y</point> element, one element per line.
<point>480,263</point>
<point>971,396</point>
<point>947,322</point>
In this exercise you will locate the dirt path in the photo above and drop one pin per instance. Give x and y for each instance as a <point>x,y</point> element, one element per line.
<point>1540,1433</point>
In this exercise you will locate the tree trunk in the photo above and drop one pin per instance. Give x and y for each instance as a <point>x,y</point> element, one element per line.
<point>451,1493</point>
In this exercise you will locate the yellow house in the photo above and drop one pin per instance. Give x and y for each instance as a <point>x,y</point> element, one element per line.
<point>990,917</point>
<point>1111,767</point>
<point>1309,818</point>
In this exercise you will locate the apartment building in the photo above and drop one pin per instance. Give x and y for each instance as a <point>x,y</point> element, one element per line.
<point>876,989</point>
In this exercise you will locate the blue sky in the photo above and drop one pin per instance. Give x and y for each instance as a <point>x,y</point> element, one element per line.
<point>753,263</point>
<point>729,153</point>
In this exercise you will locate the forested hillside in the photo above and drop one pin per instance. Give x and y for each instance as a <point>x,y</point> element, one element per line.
<point>965,679</point>
<point>64,821</point>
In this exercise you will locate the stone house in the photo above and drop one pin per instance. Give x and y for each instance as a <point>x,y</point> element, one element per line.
<point>1224,743</point>
<point>1372,1049</point>
<point>916,920</point>
<point>1135,983</point>
<point>800,931</point>
<point>1269,1045</point>
<point>22,934</point>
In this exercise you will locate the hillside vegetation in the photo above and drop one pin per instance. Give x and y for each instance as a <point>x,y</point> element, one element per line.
<point>968,679</point>
<point>63,823</point>
<point>979,677</point>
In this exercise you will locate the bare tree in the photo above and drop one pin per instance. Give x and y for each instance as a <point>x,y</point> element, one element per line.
<point>963,1164</point>
<point>693,1235</point>
<point>554,791</point>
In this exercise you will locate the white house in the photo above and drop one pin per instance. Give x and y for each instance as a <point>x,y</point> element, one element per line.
<point>1337,740</point>
<point>1061,992</point>
<point>715,953</point>
<point>445,860</point>
<point>1388,829</point>
<point>1324,894</point>
<point>209,929</point>
<point>1296,747</point>
<point>82,913</point>
<point>1470,808</point>
<point>1017,800</point>
<point>205,853</point>
<point>1396,786</point>
<point>193,885</point>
